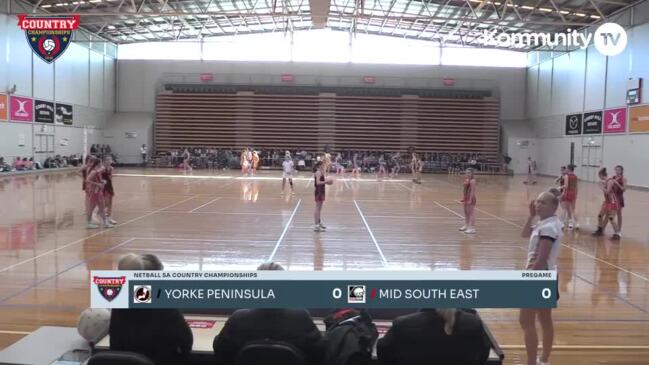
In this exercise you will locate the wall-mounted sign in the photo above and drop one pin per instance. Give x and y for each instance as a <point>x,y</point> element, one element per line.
<point>592,123</point>
<point>573,124</point>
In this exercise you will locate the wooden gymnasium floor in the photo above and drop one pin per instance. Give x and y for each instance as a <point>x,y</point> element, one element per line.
<point>215,221</point>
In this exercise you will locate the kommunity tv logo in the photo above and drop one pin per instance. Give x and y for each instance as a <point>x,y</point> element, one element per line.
<point>610,39</point>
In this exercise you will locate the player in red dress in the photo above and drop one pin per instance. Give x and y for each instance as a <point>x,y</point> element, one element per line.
<point>569,197</point>
<point>469,200</point>
<point>319,182</point>
<point>610,207</point>
<point>95,194</point>
<point>109,192</point>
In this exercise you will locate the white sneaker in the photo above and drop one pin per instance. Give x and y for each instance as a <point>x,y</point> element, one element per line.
<point>539,362</point>
<point>317,228</point>
<point>470,230</point>
<point>108,224</point>
<point>111,220</point>
<point>322,225</point>
<point>463,228</point>
<point>92,226</point>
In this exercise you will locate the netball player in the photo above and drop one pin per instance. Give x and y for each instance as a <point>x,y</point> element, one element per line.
<point>569,197</point>
<point>95,194</point>
<point>382,170</point>
<point>109,192</point>
<point>319,181</point>
<point>287,172</point>
<point>416,166</point>
<point>255,162</point>
<point>610,207</point>
<point>338,162</point>
<point>469,200</point>
<point>543,251</point>
<point>619,188</point>
<point>356,168</point>
<point>186,157</point>
<point>396,164</point>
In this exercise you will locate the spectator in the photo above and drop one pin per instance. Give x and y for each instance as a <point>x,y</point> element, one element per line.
<point>160,334</point>
<point>4,167</point>
<point>18,164</point>
<point>27,164</point>
<point>435,336</point>
<point>93,149</point>
<point>143,152</point>
<point>293,326</point>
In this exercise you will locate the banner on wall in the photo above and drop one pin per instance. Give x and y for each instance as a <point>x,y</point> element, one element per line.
<point>43,111</point>
<point>48,36</point>
<point>592,123</point>
<point>63,114</point>
<point>21,109</point>
<point>3,107</point>
<point>639,119</point>
<point>573,124</point>
<point>615,120</point>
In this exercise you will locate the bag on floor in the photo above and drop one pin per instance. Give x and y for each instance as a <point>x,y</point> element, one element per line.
<point>350,337</point>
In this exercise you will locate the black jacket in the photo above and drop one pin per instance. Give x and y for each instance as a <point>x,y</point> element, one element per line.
<point>419,339</point>
<point>160,334</point>
<point>294,326</point>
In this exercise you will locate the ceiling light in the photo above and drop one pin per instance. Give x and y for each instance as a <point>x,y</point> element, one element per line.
<point>595,16</point>
<point>46,6</point>
<point>564,12</point>
<point>111,27</point>
<point>94,1</point>
<point>580,14</point>
<point>547,10</point>
<point>526,7</point>
<point>61,4</point>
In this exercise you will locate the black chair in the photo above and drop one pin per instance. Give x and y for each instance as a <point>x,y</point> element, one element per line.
<point>269,352</point>
<point>119,358</point>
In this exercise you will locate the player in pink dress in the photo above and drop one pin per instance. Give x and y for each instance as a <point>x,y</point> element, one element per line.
<point>95,194</point>
<point>469,200</point>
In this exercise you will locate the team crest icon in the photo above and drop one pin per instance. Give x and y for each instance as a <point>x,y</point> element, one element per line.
<point>48,37</point>
<point>109,288</point>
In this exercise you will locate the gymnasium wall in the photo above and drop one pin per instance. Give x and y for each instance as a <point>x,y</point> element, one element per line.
<point>583,81</point>
<point>84,76</point>
<point>139,80</point>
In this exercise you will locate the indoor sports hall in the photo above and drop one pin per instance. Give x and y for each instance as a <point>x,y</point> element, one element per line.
<point>326,135</point>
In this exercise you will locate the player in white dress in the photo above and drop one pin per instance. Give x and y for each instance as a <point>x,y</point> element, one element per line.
<point>287,172</point>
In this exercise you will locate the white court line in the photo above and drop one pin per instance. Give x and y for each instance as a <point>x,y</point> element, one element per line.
<point>4,332</point>
<point>93,235</point>
<point>248,177</point>
<point>367,226</point>
<point>206,204</point>
<point>308,183</point>
<point>281,237</point>
<point>346,184</point>
<point>449,209</point>
<point>198,239</point>
<point>407,188</point>
<point>570,247</point>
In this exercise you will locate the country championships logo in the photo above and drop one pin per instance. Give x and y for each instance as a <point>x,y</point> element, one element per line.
<point>610,39</point>
<point>109,288</point>
<point>48,37</point>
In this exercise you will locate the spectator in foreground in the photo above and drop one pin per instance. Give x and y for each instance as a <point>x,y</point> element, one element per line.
<point>293,326</point>
<point>435,336</point>
<point>160,334</point>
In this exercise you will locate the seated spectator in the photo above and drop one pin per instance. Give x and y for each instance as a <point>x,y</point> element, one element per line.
<point>293,326</point>
<point>27,164</point>
<point>4,167</point>
<point>18,164</point>
<point>35,164</point>
<point>435,336</point>
<point>160,334</point>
